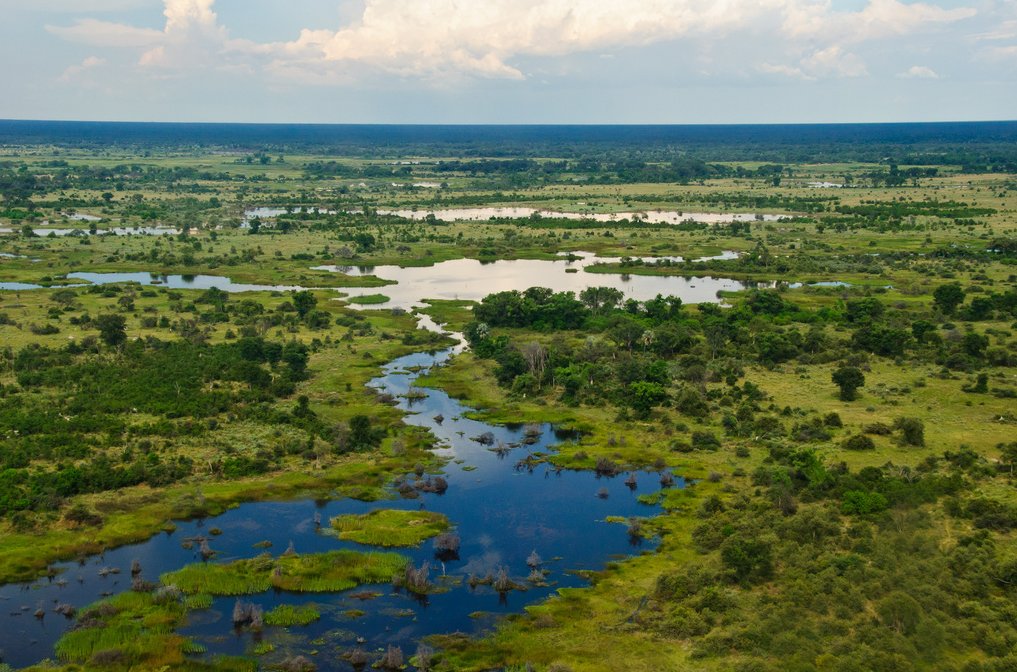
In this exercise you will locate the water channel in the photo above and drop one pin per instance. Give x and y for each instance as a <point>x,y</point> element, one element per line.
<point>501,511</point>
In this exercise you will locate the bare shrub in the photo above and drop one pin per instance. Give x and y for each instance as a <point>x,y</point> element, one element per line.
<point>392,660</point>
<point>297,664</point>
<point>606,467</point>
<point>417,580</point>
<point>246,613</point>
<point>446,546</point>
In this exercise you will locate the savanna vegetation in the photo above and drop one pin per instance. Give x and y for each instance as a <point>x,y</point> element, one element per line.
<point>848,426</point>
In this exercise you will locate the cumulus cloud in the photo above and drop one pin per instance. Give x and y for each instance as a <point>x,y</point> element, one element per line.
<point>438,39</point>
<point>919,72</point>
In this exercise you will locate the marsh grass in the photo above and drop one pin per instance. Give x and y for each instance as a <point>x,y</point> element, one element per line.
<point>390,527</point>
<point>320,573</point>
<point>131,628</point>
<point>369,299</point>
<point>286,615</point>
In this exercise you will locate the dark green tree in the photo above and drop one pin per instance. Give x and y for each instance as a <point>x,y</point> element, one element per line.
<point>304,302</point>
<point>112,329</point>
<point>948,297</point>
<point>848,379</point>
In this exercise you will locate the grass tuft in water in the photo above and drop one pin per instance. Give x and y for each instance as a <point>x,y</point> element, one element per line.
<point>390,527</point>
<point>286,615</point>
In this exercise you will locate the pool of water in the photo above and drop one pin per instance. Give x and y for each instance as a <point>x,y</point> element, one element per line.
<point>649,216</point>
<point>180,281</point>
<point>115,231</point>
<point>158,279</point>
<point>469,279</point>
<point>501,511</point>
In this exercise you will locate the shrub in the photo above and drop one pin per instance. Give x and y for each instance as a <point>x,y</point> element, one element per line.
<point>858,442</point>
<point>912,431</point>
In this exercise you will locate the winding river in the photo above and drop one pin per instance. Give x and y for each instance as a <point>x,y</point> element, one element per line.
<point>502,512</point>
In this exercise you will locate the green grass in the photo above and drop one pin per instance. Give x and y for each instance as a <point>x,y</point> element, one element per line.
<point>390,527</point>
<point>286,615</point>
<point>319,573</point>
<point>369,299</point>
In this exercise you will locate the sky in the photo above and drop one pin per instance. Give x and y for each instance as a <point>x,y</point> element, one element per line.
<point>509,61</point>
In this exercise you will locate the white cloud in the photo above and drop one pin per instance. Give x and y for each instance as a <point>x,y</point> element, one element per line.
<point>74,72</point>
<point>919,72</point>
<point>441,40</point>
<point>834,62</point>
<point>107,34</point>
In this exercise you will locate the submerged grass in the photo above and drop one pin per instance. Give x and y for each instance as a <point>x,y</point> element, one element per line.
<point>390,527</point>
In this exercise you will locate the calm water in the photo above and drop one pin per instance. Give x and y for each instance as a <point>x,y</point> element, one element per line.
<point>501,512</point>
<point>472,280</point>
<point>115,231</point>
<point>649,216</point>
<point>512,212</point>
<point>170,281</point>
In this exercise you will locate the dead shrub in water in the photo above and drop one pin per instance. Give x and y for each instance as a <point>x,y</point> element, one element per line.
<point>533,560</point>
<point>446,546</point>
<point>356,657</point>
<point>606,467</point>
<point>424,657</point>
<point>437,485</point>
<point>245,613</point>
<point>297,664</point>
<point>417,580</point>
<point>502,582</point>
<point>392,660</point>
<point>631,482</point>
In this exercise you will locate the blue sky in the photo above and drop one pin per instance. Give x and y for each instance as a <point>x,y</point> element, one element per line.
<point>509,61</point>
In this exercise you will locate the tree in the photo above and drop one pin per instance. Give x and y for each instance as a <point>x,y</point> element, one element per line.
<point>848,379</point>
<point>112,329</point>
<point>948,297</point>
<point>304,302</point>
<point>643,396</point>
<point>601,299</point>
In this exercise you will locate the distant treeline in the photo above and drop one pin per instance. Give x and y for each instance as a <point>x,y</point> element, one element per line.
<point>972,146</point>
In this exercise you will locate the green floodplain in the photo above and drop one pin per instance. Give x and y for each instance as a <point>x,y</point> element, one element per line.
<point>853,445</point>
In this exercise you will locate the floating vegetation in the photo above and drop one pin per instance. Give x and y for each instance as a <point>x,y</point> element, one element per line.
<point>390,527</point>
<point>286,615</point>
<point>320,573</point>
